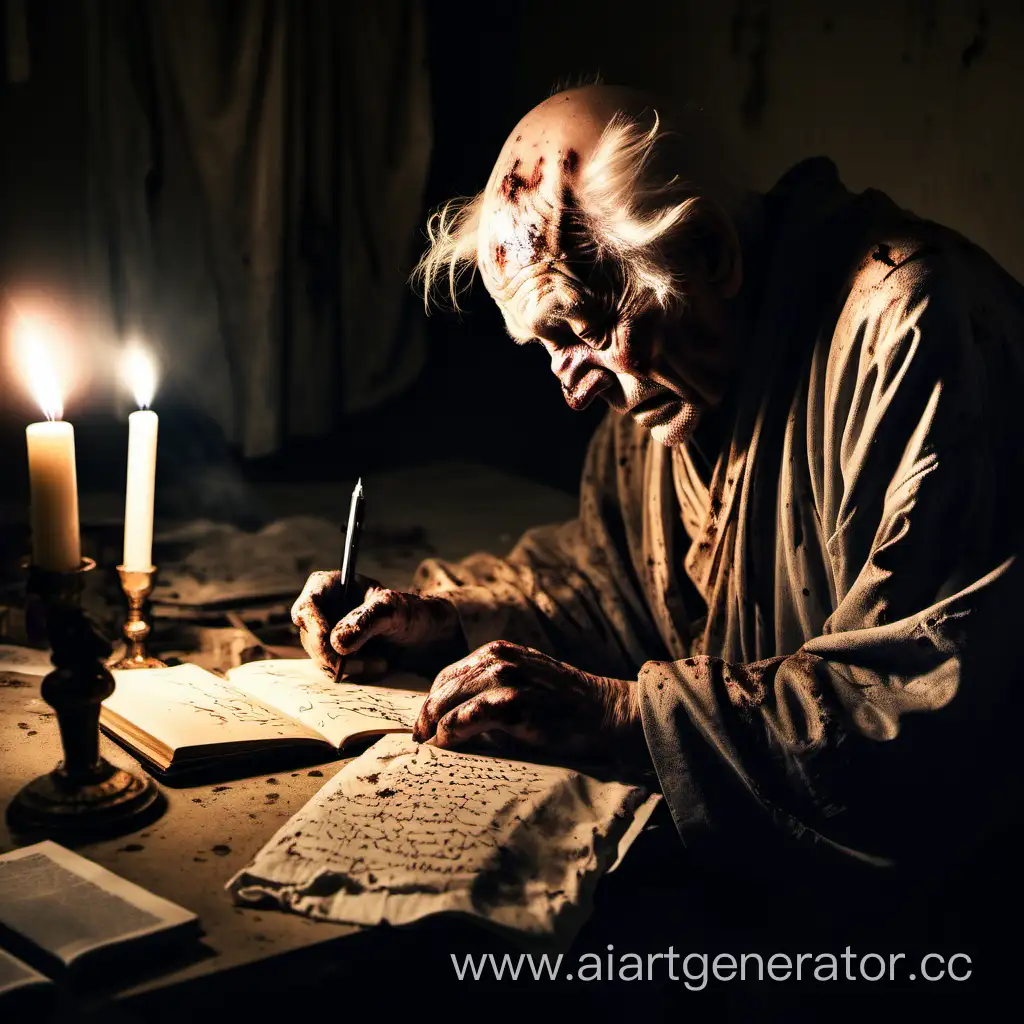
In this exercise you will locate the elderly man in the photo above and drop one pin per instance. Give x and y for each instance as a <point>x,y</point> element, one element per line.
<point>792,582</point>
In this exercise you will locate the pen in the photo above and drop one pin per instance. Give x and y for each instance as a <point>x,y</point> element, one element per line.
<point>348,555</point>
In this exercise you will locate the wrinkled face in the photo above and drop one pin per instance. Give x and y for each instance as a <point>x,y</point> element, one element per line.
<point>663,368</point>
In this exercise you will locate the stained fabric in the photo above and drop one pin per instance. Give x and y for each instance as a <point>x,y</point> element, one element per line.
<point>256,185</point>
<point>853,690</point>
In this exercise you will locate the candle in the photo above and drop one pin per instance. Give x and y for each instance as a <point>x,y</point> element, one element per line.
<point>53,483</point>
<point>142,433</point>
<point>51,465</point>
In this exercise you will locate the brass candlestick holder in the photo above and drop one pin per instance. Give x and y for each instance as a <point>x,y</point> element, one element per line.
<point>85,793</point>
<point>136,584</point>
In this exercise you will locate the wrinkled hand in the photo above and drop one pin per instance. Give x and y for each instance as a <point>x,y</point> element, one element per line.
<point>389,628</point>
<point>502,687</point>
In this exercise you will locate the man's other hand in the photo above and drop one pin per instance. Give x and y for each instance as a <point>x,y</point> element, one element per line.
<point>388,628</point>
<point>502,687</point>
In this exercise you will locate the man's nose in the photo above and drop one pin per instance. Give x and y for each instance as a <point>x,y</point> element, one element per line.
<point>581,380</point>
<point>565,363</point>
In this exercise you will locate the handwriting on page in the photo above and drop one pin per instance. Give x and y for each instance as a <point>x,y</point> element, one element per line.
<point>317,701</point>
<point>377,826</point>
<point>228,706</point>
<point>205,697</point>
<point>407,830</point>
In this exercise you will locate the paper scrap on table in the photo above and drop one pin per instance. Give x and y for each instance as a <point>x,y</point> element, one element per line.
<point>408,830</point>
<point>26,661</point>
<point>230,566</point>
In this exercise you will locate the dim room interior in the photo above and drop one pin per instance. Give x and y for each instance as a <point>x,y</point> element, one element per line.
<point>209,218</point>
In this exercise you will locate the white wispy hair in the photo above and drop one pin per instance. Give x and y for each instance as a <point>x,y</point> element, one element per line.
<point>629,214</point>
<point>452,232</point>
<point>624,219</point>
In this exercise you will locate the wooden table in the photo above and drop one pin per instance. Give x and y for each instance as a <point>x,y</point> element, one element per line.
<point>210,831</point>
<point>207,833</point>
<point>267,965</point>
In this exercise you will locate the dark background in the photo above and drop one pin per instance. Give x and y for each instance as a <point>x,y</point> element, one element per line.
<point>920,98</point>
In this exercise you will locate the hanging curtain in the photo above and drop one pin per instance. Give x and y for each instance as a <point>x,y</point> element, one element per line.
<point>256,185</point>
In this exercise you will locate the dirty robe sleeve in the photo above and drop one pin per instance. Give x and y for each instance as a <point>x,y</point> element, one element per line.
<point>569,590</point>
<point>884,738</point>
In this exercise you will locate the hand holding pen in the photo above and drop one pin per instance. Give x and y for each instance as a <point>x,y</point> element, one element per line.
<point>338,613</point>
<point>350,549</point>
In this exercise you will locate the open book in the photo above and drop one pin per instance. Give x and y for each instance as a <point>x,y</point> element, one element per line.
<point>59,911</point>
<point>186,718</point>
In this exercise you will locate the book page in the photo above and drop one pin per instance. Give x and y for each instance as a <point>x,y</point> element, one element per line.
<point>406,830</point>
<point>337,711</point>
<point>68,905</point>
<point>186,706</point>
<point>15,974</point>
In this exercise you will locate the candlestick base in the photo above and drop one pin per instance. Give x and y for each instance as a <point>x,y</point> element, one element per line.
<point>136,584</point>
<point>54,804</point>
<point>85,794</point>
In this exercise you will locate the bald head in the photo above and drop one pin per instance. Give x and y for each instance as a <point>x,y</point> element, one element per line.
<point>568,125</point>
<point>528,204</point>
<point>604,234</point>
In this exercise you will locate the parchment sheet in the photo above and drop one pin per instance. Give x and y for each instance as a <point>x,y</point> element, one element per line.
<point>407,830</point>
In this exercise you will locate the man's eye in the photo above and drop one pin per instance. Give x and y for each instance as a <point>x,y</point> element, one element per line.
<point>594,336</point>
<point>558,334</point>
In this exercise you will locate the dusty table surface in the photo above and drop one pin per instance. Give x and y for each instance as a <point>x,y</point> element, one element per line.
<point>206,834</point>
<point>211,830</point>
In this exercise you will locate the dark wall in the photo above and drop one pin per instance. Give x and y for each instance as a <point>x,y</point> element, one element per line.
<point>920,99</point>
<point>501,403</point>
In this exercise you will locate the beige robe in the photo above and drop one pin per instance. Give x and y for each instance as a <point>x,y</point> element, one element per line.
<point>854,687</point>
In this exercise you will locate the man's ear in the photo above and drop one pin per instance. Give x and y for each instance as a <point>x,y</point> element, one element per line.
<point>711,248</point>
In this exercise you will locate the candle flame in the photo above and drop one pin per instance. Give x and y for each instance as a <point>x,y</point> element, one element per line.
<point>41,368</point>
<point>139,372</point>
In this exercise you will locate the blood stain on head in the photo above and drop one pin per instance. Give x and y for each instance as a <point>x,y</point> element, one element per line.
<point>513,184</point>
<point>537,241</point>
<point>570,161</point>
<point>519,138</point>
<point>500,257</point>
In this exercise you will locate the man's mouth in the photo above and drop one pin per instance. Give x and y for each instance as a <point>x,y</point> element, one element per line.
<point>658,408</point>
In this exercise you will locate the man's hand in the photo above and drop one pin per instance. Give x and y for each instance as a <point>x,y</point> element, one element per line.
<point>502,687</point>
<point>387,627</point>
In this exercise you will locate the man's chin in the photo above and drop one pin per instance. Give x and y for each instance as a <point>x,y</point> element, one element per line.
<point>677,430</point>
